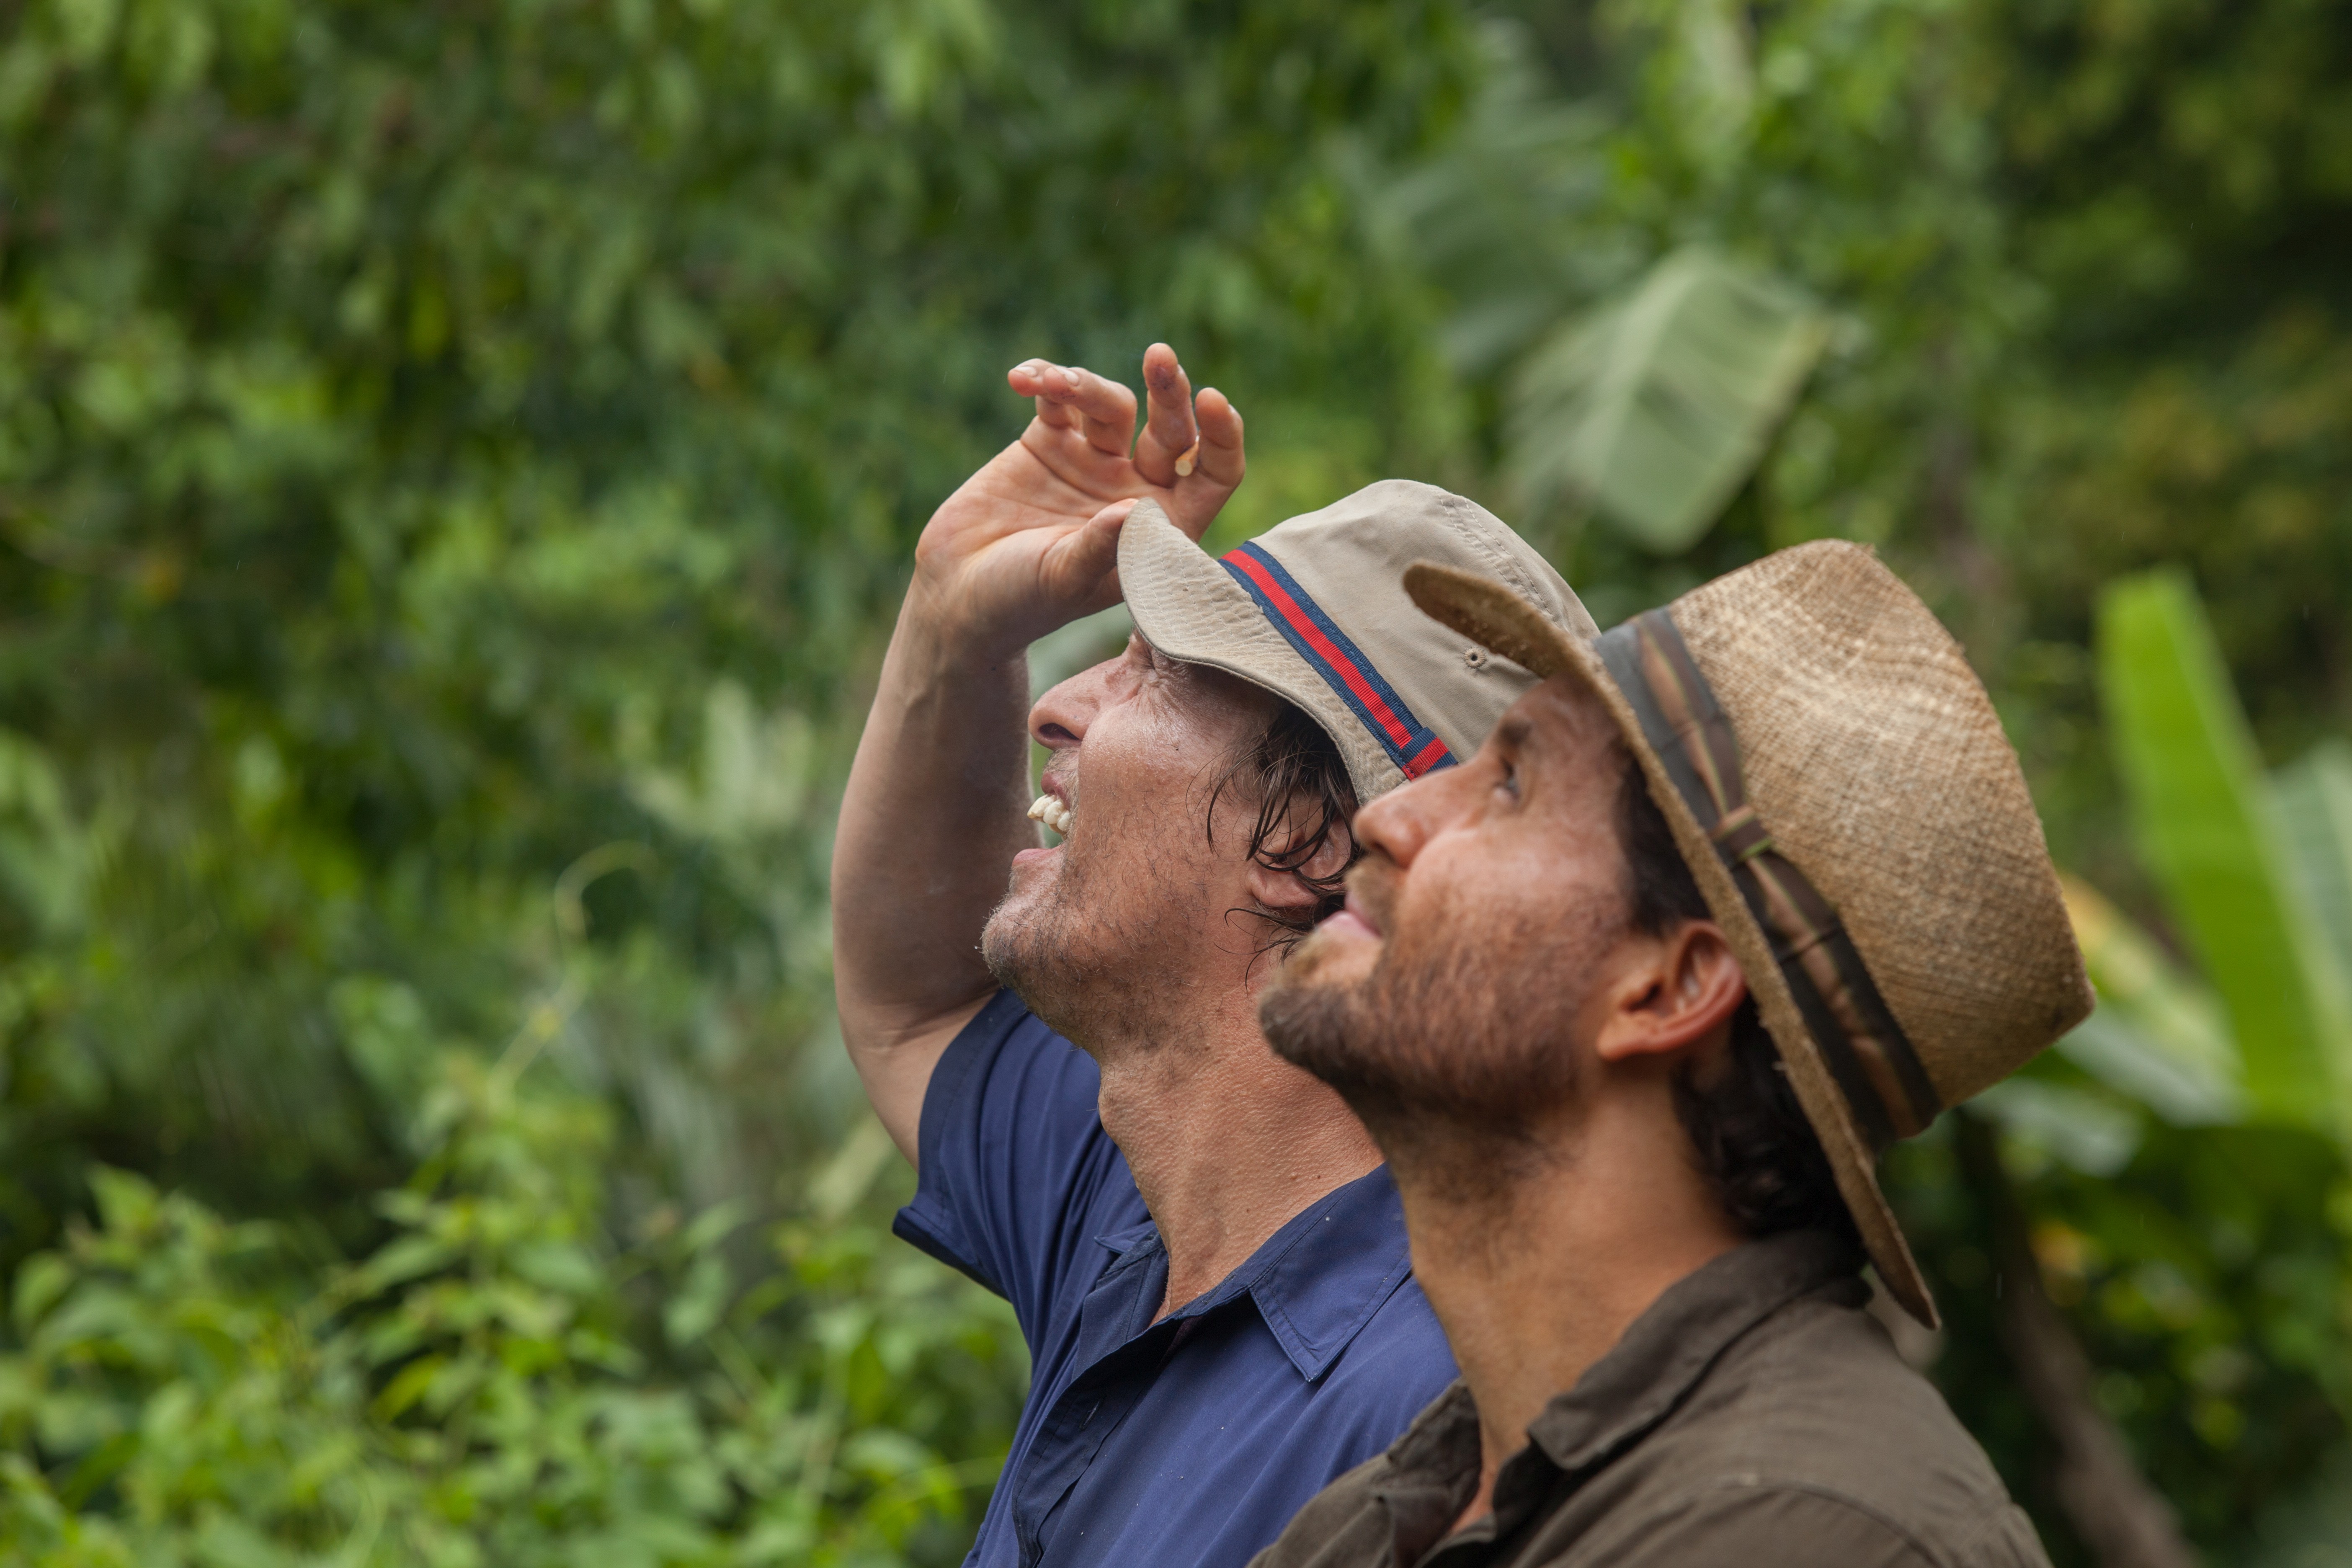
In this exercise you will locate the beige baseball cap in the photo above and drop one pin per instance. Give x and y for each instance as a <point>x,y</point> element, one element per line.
<point>1315,610</point>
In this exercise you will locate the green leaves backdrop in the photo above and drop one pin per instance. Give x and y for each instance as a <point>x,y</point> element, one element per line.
<point>457,463</point>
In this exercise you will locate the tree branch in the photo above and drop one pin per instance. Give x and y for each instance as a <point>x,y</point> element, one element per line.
<point>2121,1518</point>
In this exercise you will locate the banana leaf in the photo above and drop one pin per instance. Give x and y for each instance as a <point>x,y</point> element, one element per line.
<point>1653,410</point>
<point>2315,808</point>
<point>2159,1035</point>
<point>2207,830</point>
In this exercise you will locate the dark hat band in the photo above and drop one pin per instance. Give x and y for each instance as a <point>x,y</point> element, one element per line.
<point>1868,1054</point>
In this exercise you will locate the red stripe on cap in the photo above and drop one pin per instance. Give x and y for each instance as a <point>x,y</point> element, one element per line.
<point>1430,756</point>
<point>1306,628</point>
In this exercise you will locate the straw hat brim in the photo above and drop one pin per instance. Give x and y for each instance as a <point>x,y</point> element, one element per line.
<point>1499,620</point>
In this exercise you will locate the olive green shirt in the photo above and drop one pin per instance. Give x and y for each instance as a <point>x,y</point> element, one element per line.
<point>1756,1416</point>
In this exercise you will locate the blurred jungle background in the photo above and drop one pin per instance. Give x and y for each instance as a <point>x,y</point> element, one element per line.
<point>457,467</point>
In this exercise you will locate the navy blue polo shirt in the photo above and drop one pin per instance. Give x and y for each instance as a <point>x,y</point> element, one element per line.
<point>1187,1443</point>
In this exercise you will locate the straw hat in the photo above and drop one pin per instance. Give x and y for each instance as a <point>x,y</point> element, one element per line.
<point>1837,780</point>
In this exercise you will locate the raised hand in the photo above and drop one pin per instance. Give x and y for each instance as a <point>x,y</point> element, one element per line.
<point>1030,542</point>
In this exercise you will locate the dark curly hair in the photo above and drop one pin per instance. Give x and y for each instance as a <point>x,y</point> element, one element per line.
<point>1292,774</point>
<point>1749,1136</point>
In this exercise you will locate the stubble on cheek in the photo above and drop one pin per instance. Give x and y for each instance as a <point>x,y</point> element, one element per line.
<point>1085,945</point>
<point>1462,1031</point>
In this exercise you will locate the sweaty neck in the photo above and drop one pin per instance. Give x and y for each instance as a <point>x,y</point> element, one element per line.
<point>1536,1272</point>
<point>1226,1141</point>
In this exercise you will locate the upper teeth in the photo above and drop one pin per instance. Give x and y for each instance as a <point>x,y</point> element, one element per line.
<point>1053,814</point>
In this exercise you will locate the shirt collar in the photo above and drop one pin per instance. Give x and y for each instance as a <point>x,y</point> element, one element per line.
<point>1318,1279</point>
<point>1432,1468</point>
<point>1670,1346</point>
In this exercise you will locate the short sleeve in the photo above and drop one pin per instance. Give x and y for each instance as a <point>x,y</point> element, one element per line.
<point>1016,1175</point>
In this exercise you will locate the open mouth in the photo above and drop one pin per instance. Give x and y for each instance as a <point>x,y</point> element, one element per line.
<point>1351,919</point>
<point>1054,813</point>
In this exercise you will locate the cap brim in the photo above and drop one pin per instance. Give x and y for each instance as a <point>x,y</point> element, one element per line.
<point>1500,620</point>
<point>1190,608</point>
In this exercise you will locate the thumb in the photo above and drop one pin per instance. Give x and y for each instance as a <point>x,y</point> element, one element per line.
<point>1075,565</point>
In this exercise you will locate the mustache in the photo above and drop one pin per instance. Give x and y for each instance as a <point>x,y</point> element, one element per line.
<point>1372,883</point>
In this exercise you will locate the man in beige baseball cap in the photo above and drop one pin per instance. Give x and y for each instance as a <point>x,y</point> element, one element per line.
<point>1205,1256</point>
<point>1632,999</point>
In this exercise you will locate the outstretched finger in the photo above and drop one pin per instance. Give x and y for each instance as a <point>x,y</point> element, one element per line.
<point>1041,382</point>
<point>1214,468</point>
<point>1109,409</point>
<point>1220,461</point>
<point>1217,465</point>
<point>1102,409</point>
<point>1038,379</point>
<point>1165,452</point>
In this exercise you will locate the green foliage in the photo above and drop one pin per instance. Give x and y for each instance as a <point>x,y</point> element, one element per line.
<point>437,440</point>
<point>2207,1274</point>
<point>1653,409</point>
<point>457,467</point>
<point>2210,834</point>
<point>2082,325</point>
<point>2159,1035</point>
<point>2315,808</point>
<point>486,1387</point>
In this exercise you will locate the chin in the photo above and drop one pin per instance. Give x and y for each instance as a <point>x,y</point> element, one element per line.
<point>1048,945</point>
<point>1018,936</point>
<point>1309,1010</point>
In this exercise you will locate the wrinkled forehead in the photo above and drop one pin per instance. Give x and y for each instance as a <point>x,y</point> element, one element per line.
<point>1207,684</point>
<point>1213,698</point>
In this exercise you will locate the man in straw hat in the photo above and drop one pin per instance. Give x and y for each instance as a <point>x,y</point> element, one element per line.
<point>1631,1000</point>
<point>1206,1259</point>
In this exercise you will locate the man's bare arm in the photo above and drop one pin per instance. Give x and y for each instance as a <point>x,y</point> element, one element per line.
<point>938,797</point>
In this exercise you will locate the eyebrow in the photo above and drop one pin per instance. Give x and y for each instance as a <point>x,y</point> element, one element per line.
<point>1515,731</point>
<point>1158,660</point>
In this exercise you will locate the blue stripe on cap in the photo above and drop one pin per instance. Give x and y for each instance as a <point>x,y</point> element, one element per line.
<point>1411,745</point>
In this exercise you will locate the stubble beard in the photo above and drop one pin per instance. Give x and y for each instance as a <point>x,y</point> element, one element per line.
<point>1456,1050</point>
<point>1079,952</point>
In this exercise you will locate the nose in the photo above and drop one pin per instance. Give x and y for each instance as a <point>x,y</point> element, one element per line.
<point>1059,719</point>
<point>1401,823</point>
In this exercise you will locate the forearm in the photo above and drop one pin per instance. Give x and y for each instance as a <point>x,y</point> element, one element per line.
<point>935,810</point>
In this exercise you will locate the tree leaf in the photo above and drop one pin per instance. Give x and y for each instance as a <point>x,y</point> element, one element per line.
<point>1653,410</point>
<point>2207,831</point>
<point>2159,1036</point>
<point>2314,809</point>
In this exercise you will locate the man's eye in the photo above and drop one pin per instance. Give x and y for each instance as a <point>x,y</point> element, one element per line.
<point>1509,783</point>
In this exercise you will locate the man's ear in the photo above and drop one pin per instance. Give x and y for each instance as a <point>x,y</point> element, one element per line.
<point>1283,890</point>
<point>1680,990</point>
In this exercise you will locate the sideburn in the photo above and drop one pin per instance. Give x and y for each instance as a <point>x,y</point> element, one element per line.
<point>1295,780</point>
